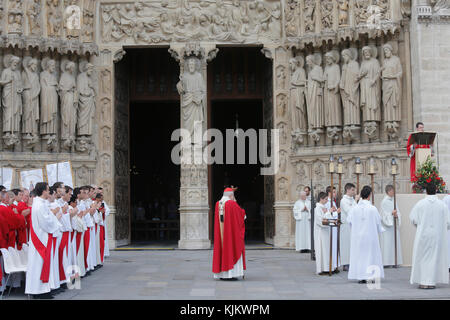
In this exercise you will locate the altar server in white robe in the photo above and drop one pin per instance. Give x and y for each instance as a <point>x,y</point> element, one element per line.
<point>302,216</point>
<point>43,225</point>
<point>387,238</point>
<point>332,208</point>
<point>65,248</point>
<point>430,253</point>
<point>98,220</point>
<point>322,236</point>
<point>56,209</point>
<point>348,202</point>
<point>107,212</point>
<point>447,202</point>
<point>365,252</point>
<point>79,224</point>
<point>89,240</point>
<point>91,225</point>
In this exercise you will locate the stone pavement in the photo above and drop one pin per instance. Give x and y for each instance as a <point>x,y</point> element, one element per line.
<point>271,275</point>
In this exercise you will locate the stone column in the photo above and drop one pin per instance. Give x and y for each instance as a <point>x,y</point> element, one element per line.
<point>283,237</point>
<point>194,205</point>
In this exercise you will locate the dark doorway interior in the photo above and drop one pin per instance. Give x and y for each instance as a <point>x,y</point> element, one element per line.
<point>250,194</point>
<point>154,178</point>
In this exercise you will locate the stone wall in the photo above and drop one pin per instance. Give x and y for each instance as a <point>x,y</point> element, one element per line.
<point>430,52</point>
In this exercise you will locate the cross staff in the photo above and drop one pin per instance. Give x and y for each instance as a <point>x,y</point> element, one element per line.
<point>372,174</point>
<point>331,205</point>
<point>338,204</point>
<point>358,171</point>
<point>394,173</point>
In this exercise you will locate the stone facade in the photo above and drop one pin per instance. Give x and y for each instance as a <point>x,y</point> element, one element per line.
<point>392,50</point>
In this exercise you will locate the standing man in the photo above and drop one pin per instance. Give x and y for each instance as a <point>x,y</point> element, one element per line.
<point>430,253</point>
<point>348,202</point>
<point>387,239</point>
<point>365,252</point>
<point>307,189</point>
<point>229,231</point>
<point>411,148</point>
<point>322,236</point>
<point>40,251</point>
<point>302,216</point>
<point>107,212</point>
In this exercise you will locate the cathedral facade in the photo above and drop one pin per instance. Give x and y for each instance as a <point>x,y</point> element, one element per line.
<point>348,78</point>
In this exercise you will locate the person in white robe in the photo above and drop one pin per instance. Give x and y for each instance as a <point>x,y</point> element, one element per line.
<point>365,252</point>
<point>43,224</point>
<point>98,220</point>
<point>79,224</point>
<point>348,202</point>
<point>332,209</point>
<point>387,238</point>
<point>322,236</point>
<point>430,252</point>
<point>302,216</point>
<point>66,222</point>
<point>54,207</point>
<point>447,202</point>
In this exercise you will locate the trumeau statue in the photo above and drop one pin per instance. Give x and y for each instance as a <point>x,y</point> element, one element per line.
<point>30,95</point>
<point>314,97</point>
<point>391,75</point>
<point>86,99</point>
<point>192,91</point>
<point>69,103</point>
<point>11,99</point>
<point>349,86</point>
<point>370,85</point>
<point>49,97</point>
<point>332,99</point>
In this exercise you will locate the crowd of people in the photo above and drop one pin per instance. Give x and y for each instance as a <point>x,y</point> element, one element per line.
<point>369,239</point>
<point>65,231</point>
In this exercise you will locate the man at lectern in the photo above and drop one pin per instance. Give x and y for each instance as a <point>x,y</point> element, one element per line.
<point>412,146</point>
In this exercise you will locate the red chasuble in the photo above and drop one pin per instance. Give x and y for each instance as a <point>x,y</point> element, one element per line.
<point>413,158</point>
<point>22,231</point>
<point>14,222</point>
<point>224,258</point>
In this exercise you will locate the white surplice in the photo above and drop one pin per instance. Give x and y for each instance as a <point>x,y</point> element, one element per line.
<point>447,202</point>
<point>43,223</point>
<point>365,251</point>
<point>54,281</point>
<point>91,256</point>
<point>79,226</point>
<point>107,212</point>
<point>347,203</point>
<point>302,225</point>
<point>387,239</point>
<point>322,240</point>
<point>67,252</point>
<point>430,253</point>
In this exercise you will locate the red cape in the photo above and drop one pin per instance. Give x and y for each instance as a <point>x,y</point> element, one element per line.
<point>225,258</point>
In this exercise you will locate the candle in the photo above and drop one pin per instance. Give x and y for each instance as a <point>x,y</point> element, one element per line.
<point>331,164</point>
<point>372,166</point>
<point>394,166</point>
<point>340,165</point>
<point>358,165</point>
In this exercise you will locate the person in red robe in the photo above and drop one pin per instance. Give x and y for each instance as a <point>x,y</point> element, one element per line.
<point>20,207</point>
<point>14,220</point>
<point>229,231</point>
<point>411,149</point>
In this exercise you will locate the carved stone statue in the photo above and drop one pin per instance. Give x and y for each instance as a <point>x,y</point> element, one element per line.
<point>391,75</point>
<point>49,98</point>
<point>34,20</point>
<point>343,6</point>
<point>350,92</point>
<point>297,98</point>
<point>327,14</point>
<point>11,99</point>
<point>440,5</point>
<point>30,94</point>
<point>370,85</point>
<point>310,15</point>
<point>54,18</point>
<point>332,99</point>
<point>192,91</point>
<point>314,98</point>
<point>69,104</point>
<point>86,96</point>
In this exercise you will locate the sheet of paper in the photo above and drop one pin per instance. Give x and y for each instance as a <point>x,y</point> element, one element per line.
<point>60,172</point>
<point>29,178</point>
<point>6,177</point>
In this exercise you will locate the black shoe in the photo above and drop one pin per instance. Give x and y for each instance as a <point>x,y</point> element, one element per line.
<point>229,279</point>
<point>336,271</point>
<point>43,296</point>
<point>362,281</point>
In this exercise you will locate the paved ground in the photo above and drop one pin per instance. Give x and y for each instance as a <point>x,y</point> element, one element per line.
<point>271,275</point>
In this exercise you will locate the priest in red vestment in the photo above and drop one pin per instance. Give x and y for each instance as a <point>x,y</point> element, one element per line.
<point>411,148</point>
<point>229,231</point>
